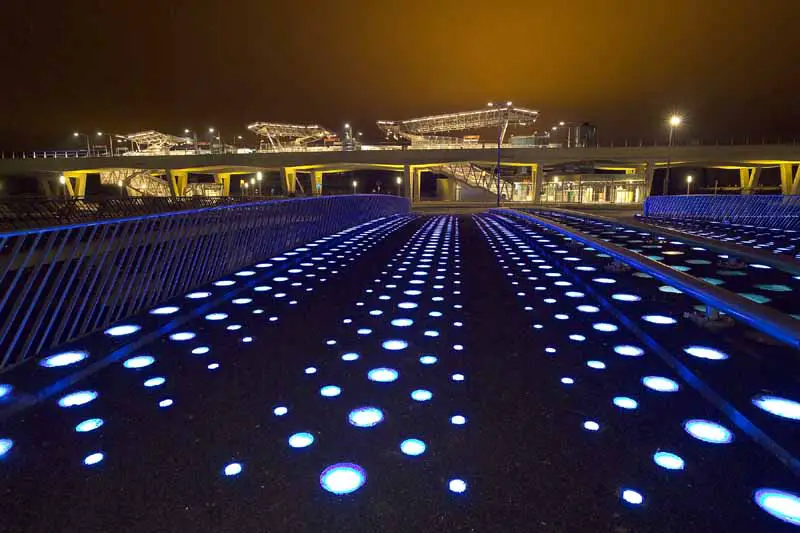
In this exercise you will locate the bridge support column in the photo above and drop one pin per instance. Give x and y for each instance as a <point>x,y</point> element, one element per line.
<point>288,180</point>
<point>748,179</point>
<point>178,182</point>
<point>224,178</point>
<point>416,184</point>
<point>536,182</point>
<point>646,173</point>
<point>75,183</point>
<point>445,189</point>
<point>790,181</point>
<point>408,182</point>
<point>316,182</point>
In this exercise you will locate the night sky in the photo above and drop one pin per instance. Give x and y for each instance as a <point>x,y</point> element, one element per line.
<point>125,66</point>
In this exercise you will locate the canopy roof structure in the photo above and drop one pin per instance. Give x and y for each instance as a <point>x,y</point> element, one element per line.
<point>298,134</point>
<point>152,141</point>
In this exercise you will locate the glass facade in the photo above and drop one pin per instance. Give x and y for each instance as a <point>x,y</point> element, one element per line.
<point>593,189</point>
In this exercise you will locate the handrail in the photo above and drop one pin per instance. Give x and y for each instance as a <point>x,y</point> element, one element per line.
<point>767,320</point>
<point>781,263</point>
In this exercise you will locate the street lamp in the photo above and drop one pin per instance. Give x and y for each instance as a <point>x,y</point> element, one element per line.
<point>62,179</point>
<point>399,181</point>
<point>689,179</point>
<point>259,177</point>
<point>88,142</point>
<point>502,118</point>
<point>675,120</point>
<point>110,141</point>
<point>187,131</point>
<point>355,184</point>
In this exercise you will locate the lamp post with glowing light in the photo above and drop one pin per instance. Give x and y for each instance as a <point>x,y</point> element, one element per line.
<point>88,142</point>
<point>689,179</point>
<point>674,122</point>
<point>110,141</point>
<point>355,184</point>
<point>502,113</point>
<point>259,177</point>
<point>187,131</point>
<point>399,182</point>
<point>62,179</point>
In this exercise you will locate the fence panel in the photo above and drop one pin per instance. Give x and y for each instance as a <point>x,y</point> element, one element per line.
<point>769,211</point>
<point>60,283</point>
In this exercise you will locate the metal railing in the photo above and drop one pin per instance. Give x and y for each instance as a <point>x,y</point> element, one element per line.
<point>35,212</point>
<point>769,321</point>
<point>769,211</point>
<point>58,284</point>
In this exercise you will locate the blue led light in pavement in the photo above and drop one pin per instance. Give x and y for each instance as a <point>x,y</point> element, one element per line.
<point>126,329</point>
<point>632,497</point>
<point>245,273</point>
<point>781,504</point>
<point>659,319</point>
<point>93,459</point>
<point>365,417</point>
<point>139,361</point>
<point>77,398</point>
<point>166,310</point>
<point>660,384</point>
<point>382,375</point>
<point>247,339</point>
<point>591,425</point>
<point>628,350</point>
<point>216,316</point>
<point>756,265</point>
<point>574,294</point>
<point>412,447</point>
<point>224,283</point>
<point>262,288</point>
<point>605,327</point>
<point>241,301</point>
<point>198,295</point>
<point>668,460</point>
<point>402,322</point>
<point>301,440</point>
<point>774,288</point>
<point>428,359</point>
<point>232,469</point>
<point>63,359</point>
<point>89,424</point>
<point>200,350</point>
<point>561,316</point>
<point>329,391</point>
<point>421,395</point>
<point>606,281</point>
<point>350,356</point>
<point>342,478</point>
<point>5,446</point>
<point>577,338</point>
<point>310,370</point>
<point>431,333</point>
<point>586,268</point>
<point>376,312</point>
<point>457,377</point>
<point>407,305</point>
<point>155,382</point>
<point>5,390</point>
<point>363,331</point>
<point>394,345</point>
<point>624,402</point>
<point>280,410</point>
<point>704,352</point>
<point>622,297</point>
<point>708,431</point>
<point>597,365</point>
<point>165,403</point>
<point>182,336</point>
<point>457,485</point>
<point>234,327</point>
<point>782,407</point>
<point>669,289</point>
<point>458,420</point>
<point>412,292</point>
<point>588,309</point>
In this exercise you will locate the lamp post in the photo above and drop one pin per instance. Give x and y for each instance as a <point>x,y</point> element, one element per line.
<point>399,182</point>
<point>187,131</point>
<point>674,122</point>
<point>218,136</point>
<point>689,179</point>
<point>355,184</point>
<point>62,179</point>
<point>110,141</point>
<point>88,143</point>
<point>502,113</point>
<point>259,177</point>
<point>246,185</point>
<point>569,126</point>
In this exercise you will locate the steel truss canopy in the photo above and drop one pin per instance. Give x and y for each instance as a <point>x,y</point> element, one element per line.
<point>416,128</point>
<point>154,141</point>
<point>297,133</point>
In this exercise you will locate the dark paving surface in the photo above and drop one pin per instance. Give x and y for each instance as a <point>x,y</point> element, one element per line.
<point>488,312</point>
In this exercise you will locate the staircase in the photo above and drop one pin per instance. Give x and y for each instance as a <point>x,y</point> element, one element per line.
<point>472,175</point>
